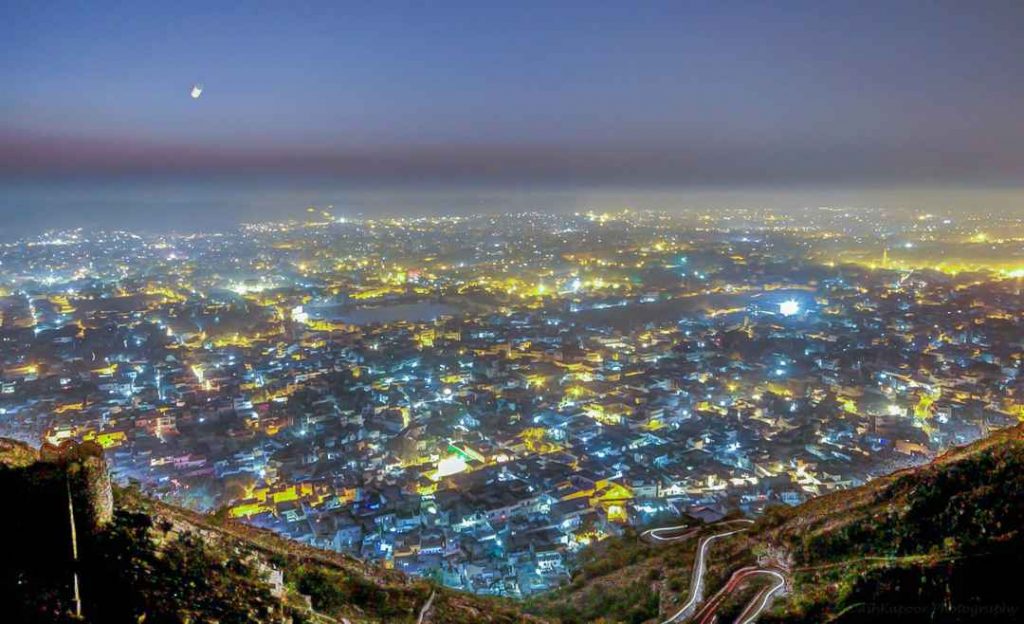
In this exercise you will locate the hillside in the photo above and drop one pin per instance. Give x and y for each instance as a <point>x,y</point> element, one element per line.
<point>143,561</point>
<point>929,544</point>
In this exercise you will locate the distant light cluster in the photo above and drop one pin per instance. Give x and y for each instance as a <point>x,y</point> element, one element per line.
<point>443,395</point>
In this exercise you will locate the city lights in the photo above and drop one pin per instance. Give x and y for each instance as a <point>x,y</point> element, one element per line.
<point>480,368</point>
<point>789,307</point>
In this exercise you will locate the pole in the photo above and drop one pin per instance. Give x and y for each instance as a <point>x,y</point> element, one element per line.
<point>74,549</point>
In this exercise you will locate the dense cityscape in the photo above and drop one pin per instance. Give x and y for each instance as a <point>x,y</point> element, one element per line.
<point>474,399</point>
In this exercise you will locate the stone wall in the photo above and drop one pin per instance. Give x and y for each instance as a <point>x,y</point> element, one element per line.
<point>99,499</point>
<point>89,479</point>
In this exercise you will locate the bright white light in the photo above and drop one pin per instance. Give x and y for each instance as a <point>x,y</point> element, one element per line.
<point>197,90</point>
<point>449,466</point>
<point>789,307</point>
<point>299,315</point>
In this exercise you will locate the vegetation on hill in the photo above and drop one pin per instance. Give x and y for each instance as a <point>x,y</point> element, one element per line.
<point>938,543</point>
<point>157,563</point>
<point>621,579</point>
<point>933,543</point>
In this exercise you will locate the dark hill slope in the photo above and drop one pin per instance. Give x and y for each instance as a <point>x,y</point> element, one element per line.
<point>938,543</point>
<point>935,543</point>
<point>155,563</point>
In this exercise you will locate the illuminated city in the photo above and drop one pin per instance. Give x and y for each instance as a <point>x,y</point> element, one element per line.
<point>477,398</point>
<point>560,312</point>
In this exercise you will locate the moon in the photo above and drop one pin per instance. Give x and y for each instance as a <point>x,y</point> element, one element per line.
<point>197,90</point>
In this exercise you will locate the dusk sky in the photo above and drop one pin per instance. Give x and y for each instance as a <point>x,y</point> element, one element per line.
<point>687,92</point>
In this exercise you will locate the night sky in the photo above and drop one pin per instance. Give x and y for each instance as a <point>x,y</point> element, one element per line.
<point>716,93</point>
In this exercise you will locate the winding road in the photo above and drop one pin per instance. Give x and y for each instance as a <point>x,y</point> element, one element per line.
<point>706,614</point>
<point>753,609</point>
<point>426,608</point>
<point>760,602</point>
<point>658,534</point>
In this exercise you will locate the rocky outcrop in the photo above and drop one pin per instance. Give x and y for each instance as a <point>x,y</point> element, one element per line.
<point>15,454</point>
